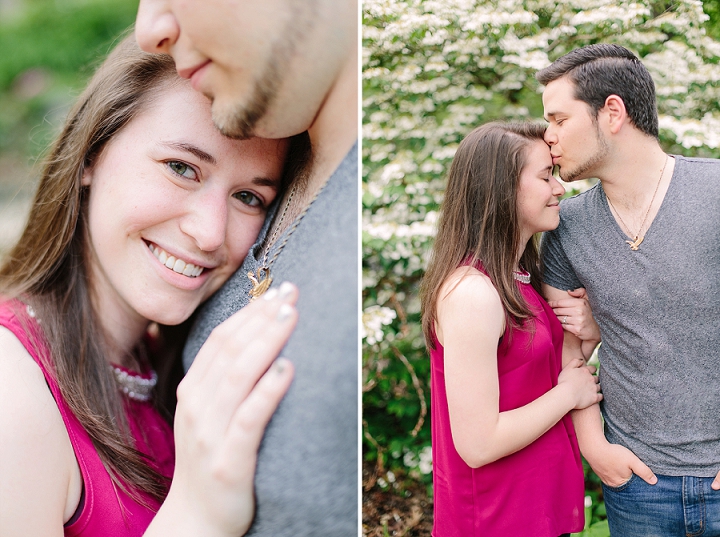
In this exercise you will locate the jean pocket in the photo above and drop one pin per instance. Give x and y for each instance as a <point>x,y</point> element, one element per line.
<point>621,487</point>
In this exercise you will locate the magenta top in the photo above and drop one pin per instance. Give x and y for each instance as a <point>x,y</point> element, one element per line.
<point>105,509</point>
<point>536,491</point>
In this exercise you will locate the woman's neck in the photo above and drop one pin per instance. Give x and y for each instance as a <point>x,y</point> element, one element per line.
<point>123,332</point>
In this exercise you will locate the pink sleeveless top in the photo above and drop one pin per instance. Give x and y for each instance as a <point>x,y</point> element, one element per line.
<point>105,509</point>
<point>536,491</point>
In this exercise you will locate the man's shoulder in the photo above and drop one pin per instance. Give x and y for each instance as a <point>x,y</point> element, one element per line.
<point>581,207</point>
<point>697,166</point>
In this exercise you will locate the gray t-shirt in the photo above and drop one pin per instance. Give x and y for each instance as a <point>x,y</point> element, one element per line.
<point>307,474</point>
<point>659,314</point>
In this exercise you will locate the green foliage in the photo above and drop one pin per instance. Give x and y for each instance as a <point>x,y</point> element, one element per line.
<point>50,49</point>
<point>712,9</point>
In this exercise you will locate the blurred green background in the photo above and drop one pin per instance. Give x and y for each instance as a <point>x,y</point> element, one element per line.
<point>48,50</point>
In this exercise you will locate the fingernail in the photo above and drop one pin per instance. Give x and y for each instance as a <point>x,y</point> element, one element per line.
<point>280,365</point>
<point>272,293</point>
<point>285,290</point>
<point>284,312</point>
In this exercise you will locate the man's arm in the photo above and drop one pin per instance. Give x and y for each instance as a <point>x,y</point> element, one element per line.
<point>614,464</point>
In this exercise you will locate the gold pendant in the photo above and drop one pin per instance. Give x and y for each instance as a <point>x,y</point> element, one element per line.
<point>260,283</point>
<point>634,245</point>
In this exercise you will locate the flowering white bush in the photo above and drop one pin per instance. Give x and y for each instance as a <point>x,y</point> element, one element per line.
<point>432,71</point>
<point>373,319</point>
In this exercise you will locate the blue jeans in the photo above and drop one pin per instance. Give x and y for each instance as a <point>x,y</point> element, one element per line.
<point>673,507</point>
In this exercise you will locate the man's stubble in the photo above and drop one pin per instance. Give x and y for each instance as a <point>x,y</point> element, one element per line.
<point>240,120</point>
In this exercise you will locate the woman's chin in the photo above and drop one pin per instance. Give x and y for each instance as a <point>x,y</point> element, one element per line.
<point>169,315</point>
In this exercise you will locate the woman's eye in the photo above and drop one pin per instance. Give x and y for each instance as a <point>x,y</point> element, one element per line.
<point>182,169</point>
<point>248,198</point>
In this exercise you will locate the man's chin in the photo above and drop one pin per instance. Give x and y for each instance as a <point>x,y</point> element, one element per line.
<point>570,175</point>
<point>232,125</point>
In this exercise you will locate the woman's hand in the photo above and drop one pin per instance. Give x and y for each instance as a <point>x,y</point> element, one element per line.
<point>576,316</point>
<point>224,404</point>
<point>582,384</point>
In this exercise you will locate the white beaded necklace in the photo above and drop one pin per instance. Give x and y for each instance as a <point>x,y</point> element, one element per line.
<point>133,385</point>
<point>522,277</point>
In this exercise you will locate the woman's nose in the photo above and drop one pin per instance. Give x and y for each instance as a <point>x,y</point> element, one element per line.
<point>206,221</point>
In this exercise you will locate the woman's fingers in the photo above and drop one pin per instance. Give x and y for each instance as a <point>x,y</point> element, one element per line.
<point>248,424</point>
<point>570,312</point>
<point>574,363</point>
<point>235,356</point>
<point>239,329</point>
<point>239,378</point>
<point>580,292</point>
<point>578,303</point>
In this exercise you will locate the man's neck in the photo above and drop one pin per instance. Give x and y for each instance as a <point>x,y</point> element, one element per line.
<point>332,134</point>
<point>633,171</point>
<point>635,179</point>
<point>335,128</point>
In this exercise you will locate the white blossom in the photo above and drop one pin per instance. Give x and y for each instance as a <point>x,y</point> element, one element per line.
<point>373,319</point>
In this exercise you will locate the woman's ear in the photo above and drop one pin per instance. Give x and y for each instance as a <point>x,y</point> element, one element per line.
<point>86,179</point>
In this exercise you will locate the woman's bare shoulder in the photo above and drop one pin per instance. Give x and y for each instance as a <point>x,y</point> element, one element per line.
<point>468,295</point>
<point>36,456</point>
<point>465,286</point>
<point>23,385</point>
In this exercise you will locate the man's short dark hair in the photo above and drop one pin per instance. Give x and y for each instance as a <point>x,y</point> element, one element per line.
<point>600,70</point>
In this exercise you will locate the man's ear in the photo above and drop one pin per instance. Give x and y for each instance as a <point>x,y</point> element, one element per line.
<point>615,112</point>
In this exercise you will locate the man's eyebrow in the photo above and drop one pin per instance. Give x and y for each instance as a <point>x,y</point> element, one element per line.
<point>190,148</point>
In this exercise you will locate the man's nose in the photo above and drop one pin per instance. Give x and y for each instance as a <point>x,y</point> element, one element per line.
<point>156,28</point>
<point>550,136</point>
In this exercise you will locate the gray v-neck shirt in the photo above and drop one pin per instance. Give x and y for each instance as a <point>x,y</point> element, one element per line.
<point>658,309</point>
<point>307,473</point>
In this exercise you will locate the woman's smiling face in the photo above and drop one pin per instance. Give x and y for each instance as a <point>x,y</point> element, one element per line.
<point>169,190</point>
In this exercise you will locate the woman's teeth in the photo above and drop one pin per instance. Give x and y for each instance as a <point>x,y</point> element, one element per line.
<point>177,265</point>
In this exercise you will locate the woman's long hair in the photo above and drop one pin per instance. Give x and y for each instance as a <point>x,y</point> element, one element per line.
<point>49,266</point>
<point>479,218</point>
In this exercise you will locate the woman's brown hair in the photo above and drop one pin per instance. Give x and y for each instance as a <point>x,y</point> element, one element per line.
<point>479,218</point>
<point>48,267</point>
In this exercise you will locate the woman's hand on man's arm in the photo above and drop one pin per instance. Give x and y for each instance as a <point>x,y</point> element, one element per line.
<point>573,311</point>
<point>224,404</point>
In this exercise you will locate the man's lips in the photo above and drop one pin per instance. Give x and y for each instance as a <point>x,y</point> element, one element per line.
<point>194,72</point>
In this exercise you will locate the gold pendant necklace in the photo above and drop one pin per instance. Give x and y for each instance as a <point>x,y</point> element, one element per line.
<point>262,279</point>
<point>260,283</point>
<point>635,243</point>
